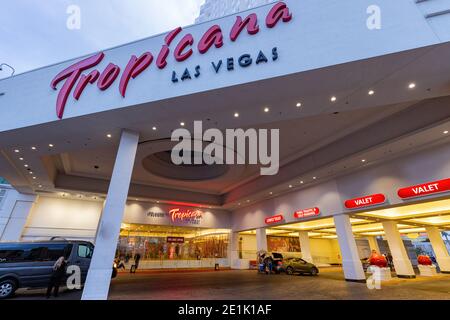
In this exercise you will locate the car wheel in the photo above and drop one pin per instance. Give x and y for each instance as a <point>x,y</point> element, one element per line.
<point>7,288</point>
<point>290,271</point>
<point>314,271</point>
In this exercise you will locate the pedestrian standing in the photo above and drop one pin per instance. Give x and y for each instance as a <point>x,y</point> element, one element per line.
<point>58,273</point>
<point>134,267</point>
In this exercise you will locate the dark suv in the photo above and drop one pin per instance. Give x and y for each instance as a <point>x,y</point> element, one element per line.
<point>29,264</point>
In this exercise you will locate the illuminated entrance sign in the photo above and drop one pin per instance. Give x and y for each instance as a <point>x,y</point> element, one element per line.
<point>425,189</point>
<point>274,219</point>
<point>175,239</point>
<point>185,215</point>
<point>306,213</point>
<point>75,80</point>
<point>366,201</point>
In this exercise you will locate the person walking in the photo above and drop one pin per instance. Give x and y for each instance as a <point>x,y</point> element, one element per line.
<point>134,267</point>
<point>58,273</point>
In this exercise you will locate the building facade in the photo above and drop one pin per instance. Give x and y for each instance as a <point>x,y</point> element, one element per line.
<point>214,9</point>
<point>360,99</point>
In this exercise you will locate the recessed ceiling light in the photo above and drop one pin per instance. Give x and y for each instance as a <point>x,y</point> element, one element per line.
<point>34,178</point>
<point>51,145</point>
<point>271,193</point>
<point>446,132</point>
<point>371,92</point>
<point>154,128</point>
<point>266,110</point>
<point>314,178</point>
<point>182,124</point>
<point>302,182</point>
<point>21,159</point>
<point>299,104</point>
<point>333,99</point>
<point>290,186</point>
<point>33,148</point>
<point>17,151</point>
<point>25,165</point>
<point>31,172</point>
<point>236,115</point>
<point>412,85</point>
<point>109,136</point>
<point>363,160</point>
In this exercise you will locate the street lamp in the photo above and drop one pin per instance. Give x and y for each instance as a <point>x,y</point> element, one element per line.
<point>5,64</point>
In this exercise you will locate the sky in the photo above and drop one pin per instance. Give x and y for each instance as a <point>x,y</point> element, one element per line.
<point>35,33</point>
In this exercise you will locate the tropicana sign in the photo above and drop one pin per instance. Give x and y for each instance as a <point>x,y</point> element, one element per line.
<point>76,81</point>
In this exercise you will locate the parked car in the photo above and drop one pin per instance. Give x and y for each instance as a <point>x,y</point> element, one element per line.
<point>29,264</point>
<point>297,265</point>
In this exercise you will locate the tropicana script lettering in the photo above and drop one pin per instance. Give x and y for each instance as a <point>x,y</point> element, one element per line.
<point>76,81</point>
<point>182,215</point>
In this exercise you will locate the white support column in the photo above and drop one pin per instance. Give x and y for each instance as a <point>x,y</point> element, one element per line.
<point>261,239</point>
<point>373,244</point>
<point>439,248</point>
<point>14,215</point>
<point>234,250</point>
<point>305,246</point>
<point>402,264</point>
<point>351,263</point>
<point>99,275</point>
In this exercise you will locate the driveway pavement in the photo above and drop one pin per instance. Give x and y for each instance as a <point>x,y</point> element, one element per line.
<point>248,285</point>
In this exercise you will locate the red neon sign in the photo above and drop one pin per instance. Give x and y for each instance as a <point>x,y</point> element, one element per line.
<point>181,215</point>
<point>366,201</point>
<point>306,213</point>
<point>274,219</point>
<point>214,36</point>
<point>425,189</point>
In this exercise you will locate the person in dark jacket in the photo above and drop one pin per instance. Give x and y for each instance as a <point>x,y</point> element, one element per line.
<point>58,273</point>
<point>134,267</point>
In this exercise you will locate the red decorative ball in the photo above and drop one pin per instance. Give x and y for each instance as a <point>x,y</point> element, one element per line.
<point>378,260</point>
<point>424,260</point>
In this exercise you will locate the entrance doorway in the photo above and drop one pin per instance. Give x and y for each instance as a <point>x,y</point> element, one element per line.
<point>172,247</point>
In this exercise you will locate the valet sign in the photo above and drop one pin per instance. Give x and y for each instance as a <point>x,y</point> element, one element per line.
<point>425,189</point>
<point>78,77</point>
<point>366,201</point>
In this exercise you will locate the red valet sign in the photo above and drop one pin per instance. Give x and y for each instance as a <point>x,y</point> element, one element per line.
<point>366,201</point>
<point>274,219</point>
<point>306,213</point>
<point>425,189</point>
<point>77,77</point>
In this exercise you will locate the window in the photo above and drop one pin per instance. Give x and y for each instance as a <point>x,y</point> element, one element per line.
<point>34,252</point>
<point>85,251</point>
<point>10,255</point>
<point>2,196</point>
